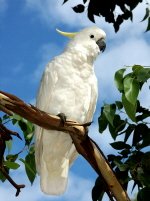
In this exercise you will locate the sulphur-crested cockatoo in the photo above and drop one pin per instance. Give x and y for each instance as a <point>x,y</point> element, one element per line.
<point>68,86</point>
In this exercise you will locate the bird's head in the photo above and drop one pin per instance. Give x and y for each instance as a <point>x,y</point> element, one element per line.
<point>90,41</point>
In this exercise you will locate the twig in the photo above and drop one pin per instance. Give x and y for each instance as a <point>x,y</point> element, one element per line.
<point>5,136</point>
<point>8,132</point>
<point>17,186</point>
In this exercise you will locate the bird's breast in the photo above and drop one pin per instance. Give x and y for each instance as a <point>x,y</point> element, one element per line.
<point>72,93</point>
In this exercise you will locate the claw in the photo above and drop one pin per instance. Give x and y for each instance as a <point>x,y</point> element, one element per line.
<point>62,117</point>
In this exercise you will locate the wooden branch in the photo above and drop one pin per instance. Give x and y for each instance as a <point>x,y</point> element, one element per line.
<point>84,145</point>
<point>5,135</point>
<point>17,186</point>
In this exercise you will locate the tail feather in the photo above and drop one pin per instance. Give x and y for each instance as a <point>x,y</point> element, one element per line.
<point>54,181</point>
<point>54,153</point>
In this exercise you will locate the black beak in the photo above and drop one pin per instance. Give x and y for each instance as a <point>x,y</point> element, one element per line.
<point>101,44</point>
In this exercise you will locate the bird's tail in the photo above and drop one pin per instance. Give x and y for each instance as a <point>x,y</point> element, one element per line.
<point>54,179</point>
<point>54,153</point>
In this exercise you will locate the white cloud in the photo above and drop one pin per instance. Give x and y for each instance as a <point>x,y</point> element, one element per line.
<point>78,189</point>
<point>54,13</point>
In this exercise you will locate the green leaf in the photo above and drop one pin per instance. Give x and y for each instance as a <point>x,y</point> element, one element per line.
<point>14,121</point>
<point>109,111</point>
<point>136,68</point>
<point>119,79</point>
<point>32,149</point>
<point>6,117</point>
<point>11,165</point>
<point>146,162</point>
<point>119,124</point>
<point>142,74</point>
<point>22,125</point>
<point>119,105</point>
<point>131,89</point>
<point>141,131</point>
<point>120,165</point>
<point>98,190</point>
<point>120,145</point>
<point>147,13</point>
<point>144,112</point>
<point>30,127</point>
<point>128,131</point>
<point>123,177</point>
<point>17,117</point>
<point>125,153</point>
<point>112,131</point>
<point>144,194</point>
<point>112,157</point>
<point>12,157</point>
<point>30,167</point>
<point>29,136</point>
<point>129,108</point>
<point>102,121</point>
<point>9,145</point>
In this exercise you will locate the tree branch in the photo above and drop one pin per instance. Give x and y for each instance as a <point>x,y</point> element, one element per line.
<point>5,135</point>
<point>84,145</point>
<point>17,186</point>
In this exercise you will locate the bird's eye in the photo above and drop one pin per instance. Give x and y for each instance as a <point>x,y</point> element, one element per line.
<point>91,36</point>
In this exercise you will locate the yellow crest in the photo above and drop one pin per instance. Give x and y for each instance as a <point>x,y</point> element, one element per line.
<point>67,34</point>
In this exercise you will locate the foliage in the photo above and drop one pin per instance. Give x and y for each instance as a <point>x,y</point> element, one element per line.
<point>128,120</point>
<point>11,160</point>
<point>109,10</point>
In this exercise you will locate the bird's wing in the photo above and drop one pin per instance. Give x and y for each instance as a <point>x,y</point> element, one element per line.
<point>48,82</point>
<point>93,100</point>
<point>53,149</point>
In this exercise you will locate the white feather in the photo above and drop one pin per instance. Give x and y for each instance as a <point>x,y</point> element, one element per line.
<point>68,85</point>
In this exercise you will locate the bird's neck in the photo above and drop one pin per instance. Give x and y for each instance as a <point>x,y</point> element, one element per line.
<point>84,54</point>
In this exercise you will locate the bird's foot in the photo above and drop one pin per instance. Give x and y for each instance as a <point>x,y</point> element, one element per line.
<point>63,118</point>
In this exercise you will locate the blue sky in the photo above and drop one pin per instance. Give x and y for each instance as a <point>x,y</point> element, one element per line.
<point>28,41</point>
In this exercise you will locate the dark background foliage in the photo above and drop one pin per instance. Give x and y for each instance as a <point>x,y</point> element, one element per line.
<point>107,9</point>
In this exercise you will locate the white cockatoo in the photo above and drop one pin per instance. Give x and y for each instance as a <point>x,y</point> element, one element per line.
<point>68,86</point>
